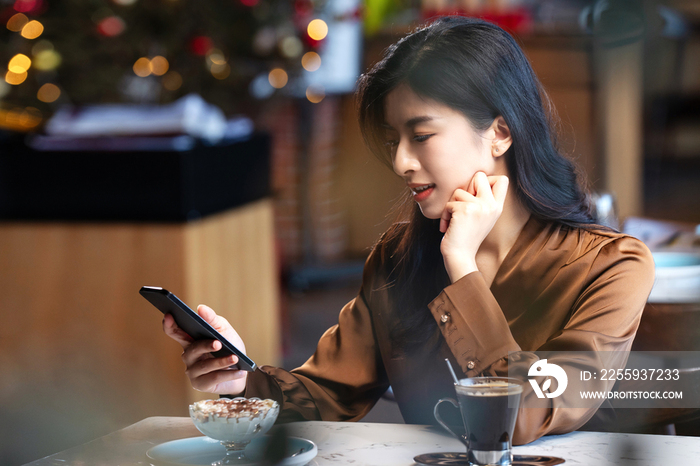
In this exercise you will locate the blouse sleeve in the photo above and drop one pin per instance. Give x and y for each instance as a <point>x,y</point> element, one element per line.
<point>613,288</point>
<point>342,380</point>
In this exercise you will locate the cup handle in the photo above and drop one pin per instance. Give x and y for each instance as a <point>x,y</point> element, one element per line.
<point>454,403</point>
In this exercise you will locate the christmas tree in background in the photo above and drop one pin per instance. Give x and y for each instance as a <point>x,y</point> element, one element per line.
<point>235,53</point>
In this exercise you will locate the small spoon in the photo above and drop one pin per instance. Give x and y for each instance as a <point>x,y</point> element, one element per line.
<point>452,371</point>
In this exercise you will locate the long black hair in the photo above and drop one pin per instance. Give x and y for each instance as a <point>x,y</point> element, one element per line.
<point>478,69</point>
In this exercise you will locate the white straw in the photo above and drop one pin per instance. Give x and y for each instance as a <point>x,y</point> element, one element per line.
<point>452,371</point>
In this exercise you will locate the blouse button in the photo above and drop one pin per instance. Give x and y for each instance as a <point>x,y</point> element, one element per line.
<point>470,365</point>
<point>445,317</point>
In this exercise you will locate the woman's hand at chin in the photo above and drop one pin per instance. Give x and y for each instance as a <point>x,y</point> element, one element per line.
<point>207,373</point>
<point>467,219</point>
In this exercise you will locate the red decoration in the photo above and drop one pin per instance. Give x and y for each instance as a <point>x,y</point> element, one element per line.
<point>201,45</point>
<point>354,15</point>
<point>303,8</point>
<point>111,26</point>
<point>515,20</point>
<point>30,6</point>
<point>249,2</point>
<point>308,41</point>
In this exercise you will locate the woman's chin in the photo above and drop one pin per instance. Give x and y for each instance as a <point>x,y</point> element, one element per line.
<point>429,212</point>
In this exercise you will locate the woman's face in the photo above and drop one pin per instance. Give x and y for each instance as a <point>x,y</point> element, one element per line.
<point>434,148</point>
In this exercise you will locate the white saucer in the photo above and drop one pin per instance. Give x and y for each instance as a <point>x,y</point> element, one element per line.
<point>203,451</point>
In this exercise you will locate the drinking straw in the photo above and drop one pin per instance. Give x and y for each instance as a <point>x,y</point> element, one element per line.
<point>452,371</point>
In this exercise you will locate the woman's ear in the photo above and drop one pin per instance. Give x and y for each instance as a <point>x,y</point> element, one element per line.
<point>502,140</point>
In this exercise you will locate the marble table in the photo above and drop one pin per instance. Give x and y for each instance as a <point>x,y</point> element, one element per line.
<point>360,443</point>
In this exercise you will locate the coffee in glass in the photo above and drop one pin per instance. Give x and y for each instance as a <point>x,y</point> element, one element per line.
<point>489,407</point>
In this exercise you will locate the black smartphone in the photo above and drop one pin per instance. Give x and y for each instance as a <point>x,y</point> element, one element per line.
<point>192,324</point>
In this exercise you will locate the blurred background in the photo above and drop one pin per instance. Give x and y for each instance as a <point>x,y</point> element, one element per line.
<point>212,148</point>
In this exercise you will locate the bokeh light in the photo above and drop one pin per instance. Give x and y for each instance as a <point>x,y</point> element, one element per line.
<point>311,61</point>
<point>124,2</point>
<point>15,78</point>
<point>216,57</point>
<point>19,63</point>
<point>142,67</point>
<point>27,6</point>
<point>278,78</point>
<point>172,81</point>
<point>317,29</point>
<point>201,45</point>
<point>159,65</point>
<point>32,30</point>
<point>220,71</point>
<point>315,94</point>
<point>46,60</point>
<point>48,93</point>
<point>264,41</point>
<point>9,119</point>
<point>291,47</point>
<point>111,26</point>
<point>30,117</point>
<point>260,87</point>
<point>20,119</point>
<point>17,22</point>
<point>41,45</point>
<point>218,64</point>
<point>4,89</point>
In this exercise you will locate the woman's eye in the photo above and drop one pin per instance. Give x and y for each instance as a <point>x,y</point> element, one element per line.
<point>422,137</point>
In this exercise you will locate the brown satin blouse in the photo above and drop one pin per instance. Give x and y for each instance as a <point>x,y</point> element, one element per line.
<point>557,289</point>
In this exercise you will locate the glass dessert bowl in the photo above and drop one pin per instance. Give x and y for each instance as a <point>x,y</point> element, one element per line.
<point>234,422</point>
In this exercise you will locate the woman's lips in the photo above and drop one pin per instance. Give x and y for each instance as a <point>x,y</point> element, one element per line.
<point>421,193</point>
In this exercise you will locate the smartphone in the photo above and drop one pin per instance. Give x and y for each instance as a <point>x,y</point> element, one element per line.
<point>192,324</point>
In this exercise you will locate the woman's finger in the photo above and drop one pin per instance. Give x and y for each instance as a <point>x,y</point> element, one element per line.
<point>210,382</point>
<point>212,318</point>
<point>461,195</point>
<point>472,188</point>
<point>482,186</point>
<point>199,349</point>
<point>173,331</point>
<point>446,216</point>
<point>205,366</point>
<point>494,178</point>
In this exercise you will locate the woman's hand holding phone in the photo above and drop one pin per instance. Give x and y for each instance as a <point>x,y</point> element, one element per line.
<point>468,218</point>
<point>207,373</point>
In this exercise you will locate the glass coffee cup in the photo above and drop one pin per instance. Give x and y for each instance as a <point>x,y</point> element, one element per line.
<point>489,407</point>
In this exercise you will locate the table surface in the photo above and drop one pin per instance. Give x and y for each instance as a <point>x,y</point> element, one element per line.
<point>388,444</point>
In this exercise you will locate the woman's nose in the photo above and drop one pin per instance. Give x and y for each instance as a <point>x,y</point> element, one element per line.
<point>404,160</point>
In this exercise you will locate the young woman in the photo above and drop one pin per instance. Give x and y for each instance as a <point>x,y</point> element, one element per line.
<point>497,254</point>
